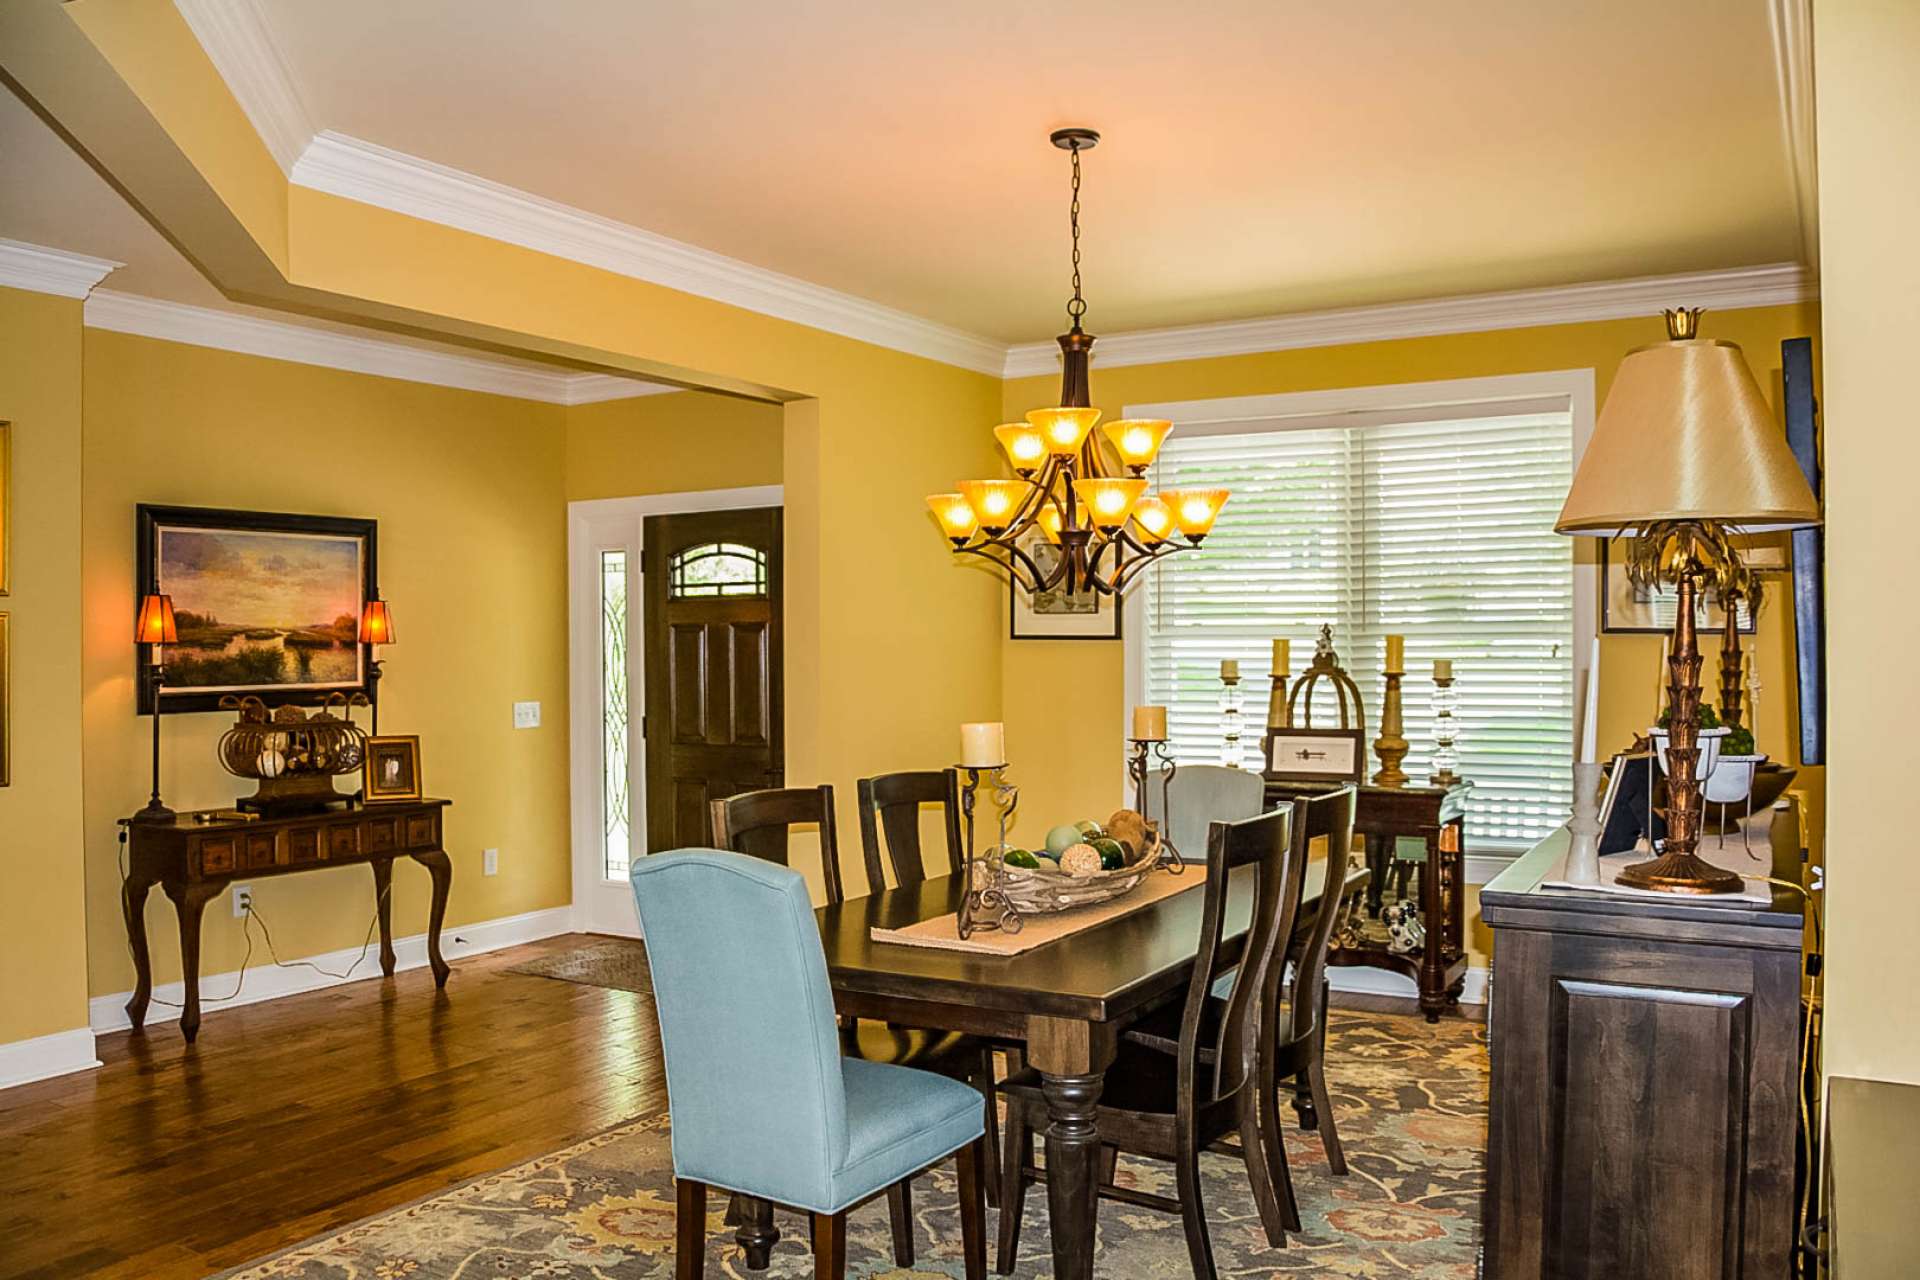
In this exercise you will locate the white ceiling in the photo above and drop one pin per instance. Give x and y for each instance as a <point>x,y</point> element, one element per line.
<point>1261,156</point>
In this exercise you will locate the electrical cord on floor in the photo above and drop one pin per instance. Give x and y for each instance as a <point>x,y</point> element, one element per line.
<point>1812,1013</point>
<point>246,927</point>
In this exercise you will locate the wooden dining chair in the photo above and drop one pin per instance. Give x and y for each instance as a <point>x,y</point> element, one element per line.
<point>890,804</point>
<point>1296,1053</point>
<point>763,1104</point>
<point>760,823</point>
<point>1173,1107</point>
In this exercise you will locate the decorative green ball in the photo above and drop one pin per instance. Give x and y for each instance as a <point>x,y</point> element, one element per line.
<point>1089,829</point>
<point>1061,839</point>
<point>1112,856</point>
<point>1020,858</point>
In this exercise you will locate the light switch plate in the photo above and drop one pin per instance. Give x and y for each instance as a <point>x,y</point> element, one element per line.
<point>489,862</point>
<point>526,715</point>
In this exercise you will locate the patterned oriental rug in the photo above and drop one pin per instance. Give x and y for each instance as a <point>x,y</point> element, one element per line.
<point>1411,1100</point>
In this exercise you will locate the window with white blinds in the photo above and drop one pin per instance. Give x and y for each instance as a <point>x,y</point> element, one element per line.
<point>1441,531</point>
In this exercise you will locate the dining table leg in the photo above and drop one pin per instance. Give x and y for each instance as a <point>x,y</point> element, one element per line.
<point>1072,1058</point>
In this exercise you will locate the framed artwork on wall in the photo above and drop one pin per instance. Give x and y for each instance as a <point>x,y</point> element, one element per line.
<point>267,604</point>
<point>1629,610</point>
<point>1058,615</point>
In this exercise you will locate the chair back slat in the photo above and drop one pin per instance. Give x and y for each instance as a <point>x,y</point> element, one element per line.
<point>890,805</point>
<point>758,824</point>
<point>1330,816</point>
<point>747,1028</point>
<point>1264,843</point>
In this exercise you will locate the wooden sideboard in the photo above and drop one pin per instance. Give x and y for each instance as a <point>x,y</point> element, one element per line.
<point>194,861</point>
<point>1436,816</point>
<point>1645,1058</point>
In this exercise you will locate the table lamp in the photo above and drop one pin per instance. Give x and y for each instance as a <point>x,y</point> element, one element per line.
<point>376,627</point>
<point>1686,453</point>
<point>152,628</point>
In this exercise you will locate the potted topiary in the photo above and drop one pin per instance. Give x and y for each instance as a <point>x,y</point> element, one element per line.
<point>1731,780</point>
<point>1711,736</point>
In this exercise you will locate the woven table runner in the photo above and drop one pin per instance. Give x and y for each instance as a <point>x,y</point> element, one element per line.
<point>1038,930</point>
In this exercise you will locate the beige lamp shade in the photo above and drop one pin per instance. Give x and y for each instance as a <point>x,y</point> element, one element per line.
<point>1686,435</point>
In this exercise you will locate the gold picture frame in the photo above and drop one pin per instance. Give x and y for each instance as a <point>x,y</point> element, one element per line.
<point>391,771</point>
<point>6,704</point>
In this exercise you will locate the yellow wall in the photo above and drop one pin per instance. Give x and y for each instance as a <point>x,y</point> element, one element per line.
<point>1869,137</point>
<point>42,919</point>
<point>674,443</point>
<point>467,490</point>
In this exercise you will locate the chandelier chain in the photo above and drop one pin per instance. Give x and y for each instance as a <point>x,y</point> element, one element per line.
<point>1077,305</point>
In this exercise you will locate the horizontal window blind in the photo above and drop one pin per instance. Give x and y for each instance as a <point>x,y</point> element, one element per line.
<point>1441,531</point>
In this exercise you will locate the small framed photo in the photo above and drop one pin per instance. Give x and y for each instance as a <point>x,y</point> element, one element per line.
<point>1058,615</point>
<point>1629,610</point>
<point>392,769</point>
<point>1314,755</point>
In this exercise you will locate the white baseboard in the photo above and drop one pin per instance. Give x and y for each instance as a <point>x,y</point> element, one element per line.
<point>1385,982</point>
<point>267,981</point>
<point>43,1057</point>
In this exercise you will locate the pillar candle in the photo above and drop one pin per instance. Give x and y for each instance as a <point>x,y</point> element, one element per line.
<point>983,745</point>
<point>1149,724</point>
<point>1396,655</point>
<point>1282,656</point>
<point>1229,668</point>
<point>1443,668</point>
<point>1590,721</point>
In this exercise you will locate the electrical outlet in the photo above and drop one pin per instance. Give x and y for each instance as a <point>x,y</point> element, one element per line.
<point>489,862</point>
<point>526,715</point>
<point>242,900</point>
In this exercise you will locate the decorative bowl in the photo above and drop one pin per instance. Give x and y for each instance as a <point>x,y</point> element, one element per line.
<point>1044,890</point>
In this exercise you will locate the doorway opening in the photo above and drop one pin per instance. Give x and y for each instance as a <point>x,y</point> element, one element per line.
<point>677,698</point>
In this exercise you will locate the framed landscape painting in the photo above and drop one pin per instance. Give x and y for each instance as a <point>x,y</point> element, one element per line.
<point>266,604</point>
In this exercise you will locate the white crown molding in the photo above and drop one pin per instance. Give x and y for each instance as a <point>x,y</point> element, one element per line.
<point>370,174</point>
<point>279,340</point>
<point>1791,22</point>
<point>43,1057</point>
<point>1520,309</point>
<point>41,270</point>
<point>240,45</point>
<point>272,981</point>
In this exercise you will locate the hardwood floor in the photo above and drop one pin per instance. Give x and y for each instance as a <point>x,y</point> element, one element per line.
<point>301,1115</point>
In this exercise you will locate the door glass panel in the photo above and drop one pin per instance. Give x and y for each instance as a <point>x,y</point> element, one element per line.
<point>717,569</point>
<point>613,713</point>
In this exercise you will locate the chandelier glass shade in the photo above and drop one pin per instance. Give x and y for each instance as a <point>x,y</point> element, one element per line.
<point>1081,495</point>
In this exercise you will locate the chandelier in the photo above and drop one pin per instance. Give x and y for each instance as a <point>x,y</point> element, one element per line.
<point>1084,501</point>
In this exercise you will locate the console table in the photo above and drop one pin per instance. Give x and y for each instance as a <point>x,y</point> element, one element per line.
<point>194,861</point>
<point>1437,816</point>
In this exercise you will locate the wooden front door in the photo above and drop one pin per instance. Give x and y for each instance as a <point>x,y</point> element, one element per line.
<point>713,723</point>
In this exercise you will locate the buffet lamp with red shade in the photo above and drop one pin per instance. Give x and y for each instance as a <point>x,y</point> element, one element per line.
<point>376,627</point>
<point>152,628</point>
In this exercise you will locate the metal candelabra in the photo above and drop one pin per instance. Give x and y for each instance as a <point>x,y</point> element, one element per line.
<point>1137,765</point>
<point>984,903</point>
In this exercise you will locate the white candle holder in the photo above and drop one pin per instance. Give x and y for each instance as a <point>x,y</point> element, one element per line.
<point>1583,851</point>
<point>1230,721</point>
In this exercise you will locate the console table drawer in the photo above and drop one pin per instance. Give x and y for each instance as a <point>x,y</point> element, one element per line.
<point>382,835</point>
<point>303,846</point>
<point>343,841</point>
<point>423,830</point>
<point>216,855</point>
<point>263,850</point>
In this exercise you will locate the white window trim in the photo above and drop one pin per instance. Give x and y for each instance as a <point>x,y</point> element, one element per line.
<point>587,524</point>
<point>1570,390</point>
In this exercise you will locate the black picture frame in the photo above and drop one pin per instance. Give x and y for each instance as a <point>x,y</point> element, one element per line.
<point>153,521</point>
<point>1023,621</point>
<point>1711,621</point>
<point>1356,773</point>
<point>1809,552</point>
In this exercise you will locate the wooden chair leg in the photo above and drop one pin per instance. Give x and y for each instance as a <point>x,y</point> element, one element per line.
<point>756,1234</point>
<point>689,1230</point>
<point>1109,1163</point>
<point>900,1216</point>
<point>1273,1148</point>
<point>734,1217</point>
<point>973,1160</point>
<point>1193,1210</point>
<point>1255,1150</point>
<point>986,1087</point>
<point>1017,1147</point>
<point>830,1246</point>
<point>1323,1108</point>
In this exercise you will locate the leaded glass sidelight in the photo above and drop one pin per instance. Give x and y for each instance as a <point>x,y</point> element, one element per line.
<point>614,792</point>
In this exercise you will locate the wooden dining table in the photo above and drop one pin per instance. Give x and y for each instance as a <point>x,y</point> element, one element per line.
<point>1067,1002</point>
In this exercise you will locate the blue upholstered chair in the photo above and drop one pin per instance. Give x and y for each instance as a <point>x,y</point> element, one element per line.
<point>763,1103</point>
<point>1200,794</point>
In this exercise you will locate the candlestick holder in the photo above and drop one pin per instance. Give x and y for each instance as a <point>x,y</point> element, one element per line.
<point>984,904</point>
<point>1446,731</point>
<point>1278,716</point>
<point>1137,766</point>
<point>1391,746</point>
<point>1230,721</point>
<point>1583,852</point>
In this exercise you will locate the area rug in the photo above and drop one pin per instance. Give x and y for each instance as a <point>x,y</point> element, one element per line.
<point>620,963</point>
<point>1411,1101</point>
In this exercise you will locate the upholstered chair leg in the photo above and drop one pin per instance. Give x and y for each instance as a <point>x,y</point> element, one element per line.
<point>830,1246</point>
<point>757,1235</point>
<point>974,1160</point>
<point>689,1230</point>
<point>1193,1210</point>
<point>900,1215</point>
<point>1323,1108</point>
<point>1017,1147</point>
